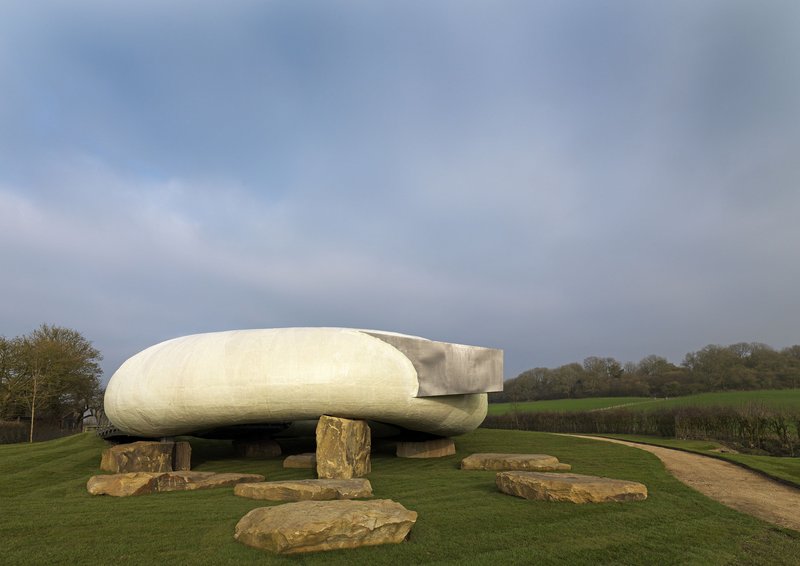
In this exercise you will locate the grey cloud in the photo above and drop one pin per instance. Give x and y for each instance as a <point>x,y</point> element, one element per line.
<point>558,180</point>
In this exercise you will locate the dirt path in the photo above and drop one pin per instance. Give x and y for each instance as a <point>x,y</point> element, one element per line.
<point>729,484</point>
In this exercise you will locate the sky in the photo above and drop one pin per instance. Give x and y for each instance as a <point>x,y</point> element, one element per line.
<point>558,179</point>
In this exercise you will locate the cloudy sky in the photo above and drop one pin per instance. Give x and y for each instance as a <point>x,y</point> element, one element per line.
<point>558,179</point>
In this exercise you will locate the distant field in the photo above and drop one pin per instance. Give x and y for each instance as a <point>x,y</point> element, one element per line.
<point>555,405</point>
<point>787,398</point>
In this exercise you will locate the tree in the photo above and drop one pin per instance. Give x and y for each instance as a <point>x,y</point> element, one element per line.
<point>11,385</point>
<point>745,365</point>
<point>95,407</point>
<point>603,367</point>
<point>54,370</point>
<point>654,366</point>
<point>791,359</point>
<point>6,398</point>
<point>712,365</point>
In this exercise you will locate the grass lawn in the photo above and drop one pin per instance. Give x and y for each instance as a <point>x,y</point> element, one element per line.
<point>787,398</point>
<point>48,517</point>
<point>785,469</point>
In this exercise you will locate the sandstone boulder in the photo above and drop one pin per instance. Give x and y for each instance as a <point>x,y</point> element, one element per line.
<point>182,457</point>
<point>256,448</point>
<point>142,483</point>
<point>531,462</point>
<point>189,481</point>
<point>436,448</point>
<point>343,448</point>
<point>303,461</point>
<point>123,485</point>
<point>310,526</point>
<point>575,488</point>
<point>143,456</point>
<point>301,490</point>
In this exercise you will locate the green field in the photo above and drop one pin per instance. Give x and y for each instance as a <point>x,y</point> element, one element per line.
<point>556,405</point>
<point>788,398</point>
<point>49,518</point>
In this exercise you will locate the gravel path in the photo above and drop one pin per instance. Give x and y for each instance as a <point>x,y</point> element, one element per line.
<point>729,484</point>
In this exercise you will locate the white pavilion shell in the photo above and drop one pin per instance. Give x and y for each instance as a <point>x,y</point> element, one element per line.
<point>207,381</point>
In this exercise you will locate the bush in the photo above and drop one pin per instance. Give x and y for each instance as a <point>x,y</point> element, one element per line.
<point>12,432</point>
<point>752,427</point>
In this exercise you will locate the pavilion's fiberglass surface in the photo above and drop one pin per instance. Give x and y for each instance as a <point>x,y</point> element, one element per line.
<point>206,381</point>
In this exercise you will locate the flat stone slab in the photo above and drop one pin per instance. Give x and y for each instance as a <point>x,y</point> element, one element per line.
<point>524,462</point>
<point>302,490</point>
<point>575,488</point>
<point>304,461</point>
<point>436,448</point>
<point>311,526</point>
<point>123,485</point>
<point>189,481</point>
<point>142,483</point>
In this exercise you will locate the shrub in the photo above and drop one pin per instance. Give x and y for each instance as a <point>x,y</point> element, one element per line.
<point>12,432</point>
<point>752,427</point>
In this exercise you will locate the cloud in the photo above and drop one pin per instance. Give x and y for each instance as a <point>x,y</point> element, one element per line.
<point>558,180</point>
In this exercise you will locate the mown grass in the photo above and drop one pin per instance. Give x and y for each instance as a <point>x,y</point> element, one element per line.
<point>782,468</point>
<point>48,517</point>
<point>778,398</point>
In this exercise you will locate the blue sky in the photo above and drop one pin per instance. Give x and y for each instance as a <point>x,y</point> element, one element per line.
<point>557,179</point>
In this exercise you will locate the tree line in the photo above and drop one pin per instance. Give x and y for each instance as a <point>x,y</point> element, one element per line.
<point>741,366</point>
<point>51,375</point>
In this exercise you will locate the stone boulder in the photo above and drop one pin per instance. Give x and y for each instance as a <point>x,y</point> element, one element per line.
<point>123,485</point>
<point>256,448</point>
<point>436,448</point>
<point>143,456</point>
<point>182,457</point>
<point>529,462</point>
<point>307,460</point>
<point>575,488</point>
<point>301,490</point>
<point>343,448</point>
<point>142,483</point>
<point>310,526</point>
<point>189,481</point>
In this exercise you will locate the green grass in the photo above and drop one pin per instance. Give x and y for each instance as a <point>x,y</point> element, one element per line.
<point>785,398</point>
<point>778,398</point>
<point>48,517</point>
<point>558,405</point>
<point>784,469</point>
